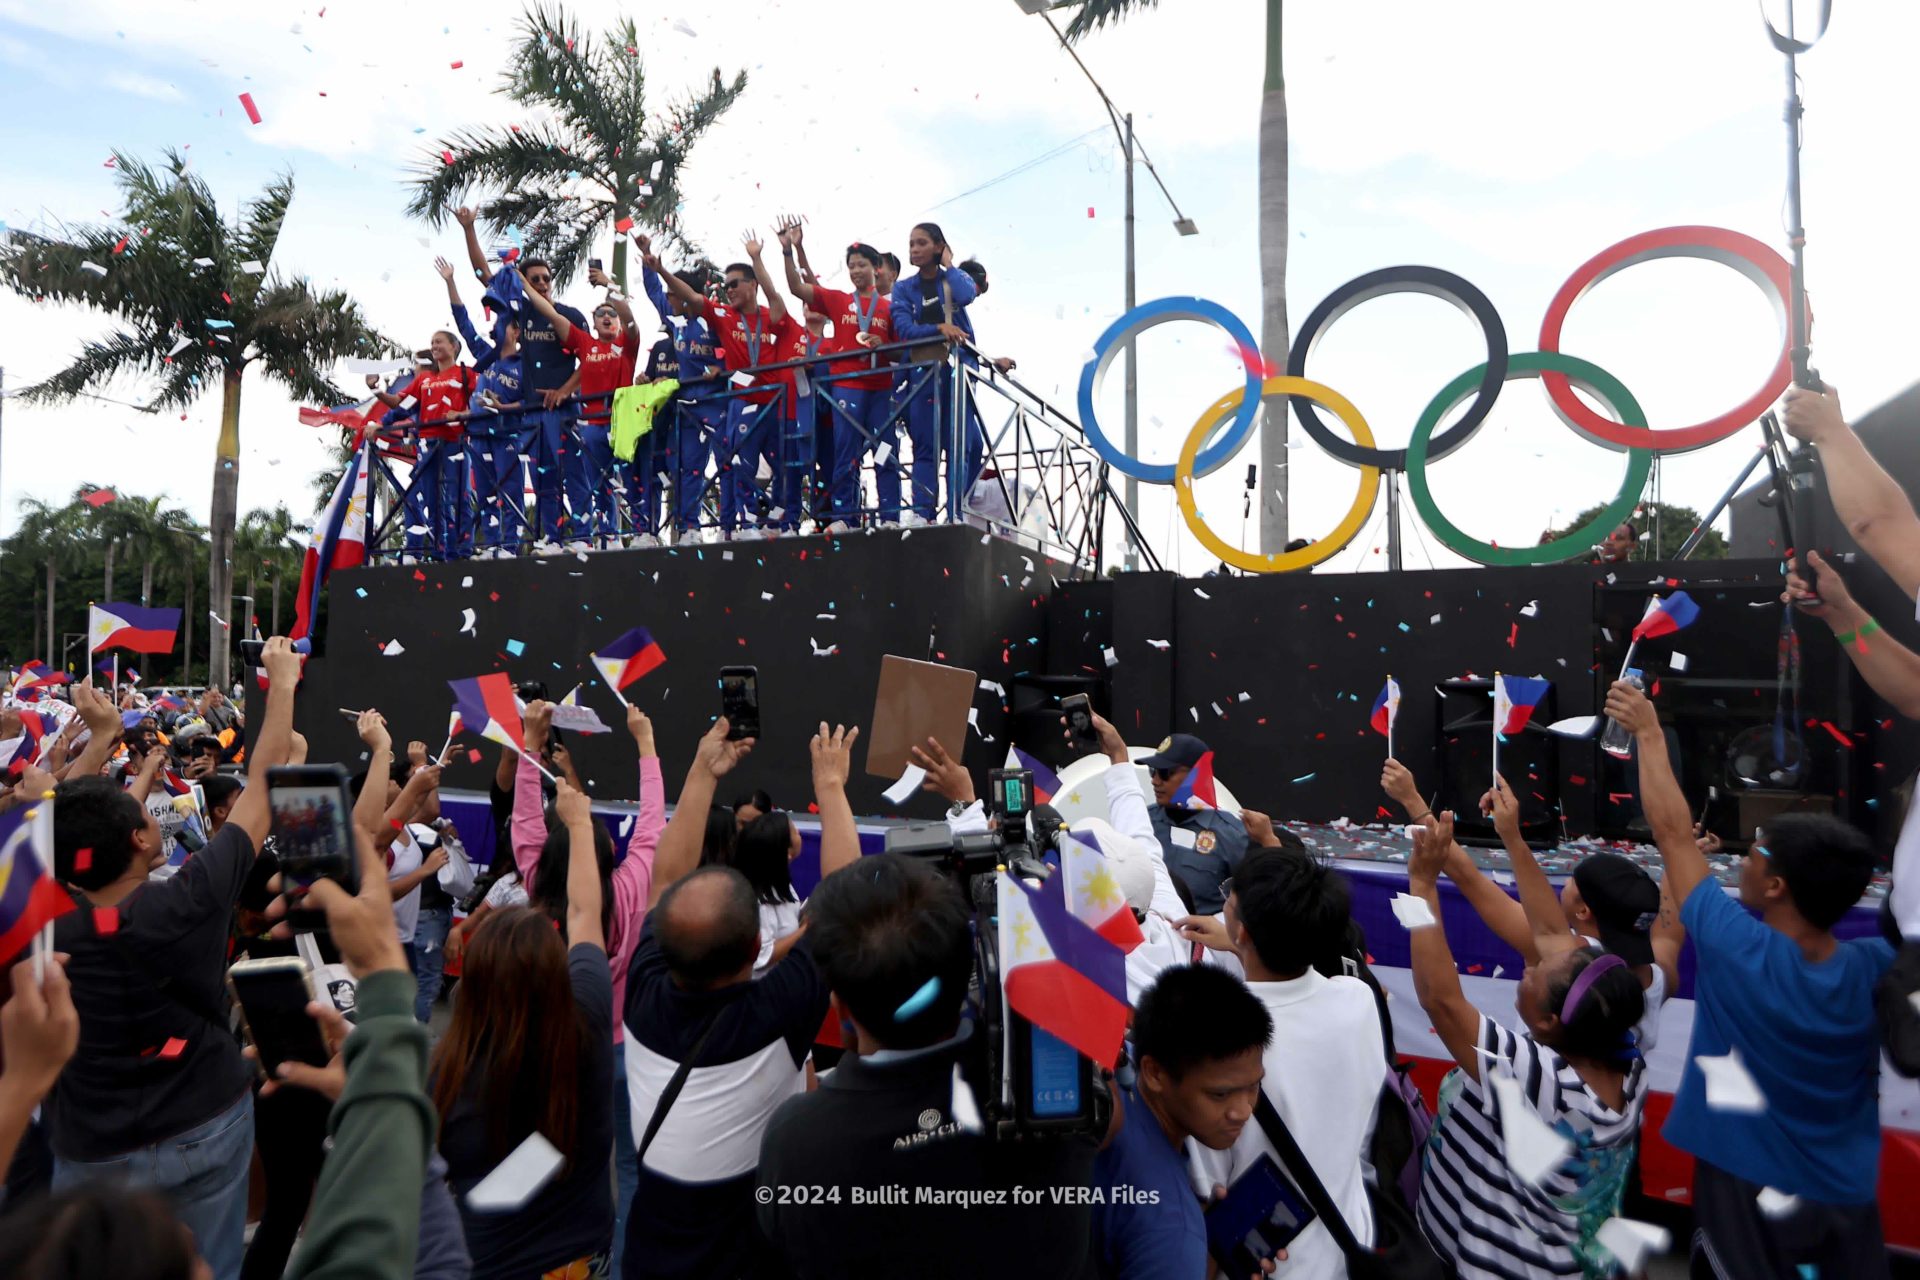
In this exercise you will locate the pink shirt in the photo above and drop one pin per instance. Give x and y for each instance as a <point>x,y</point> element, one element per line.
<point>632,879</point>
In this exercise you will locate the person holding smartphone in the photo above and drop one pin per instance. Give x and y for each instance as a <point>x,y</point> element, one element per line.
<point>159,1076</point>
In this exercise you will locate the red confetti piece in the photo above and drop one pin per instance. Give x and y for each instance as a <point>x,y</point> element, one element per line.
<point>456,65</point>
<point>82,860</point>
<point>447,156</point>
<point>1089,211</point>
<point>121,247</point>
<point>246,104</point>
<point>1838,736</point>
<point>1475,968</point>
<point>473,757</point>
<point>173,1048</point>
<point>623,226</point>
<point>106,921</point>
<point>1513,636</point>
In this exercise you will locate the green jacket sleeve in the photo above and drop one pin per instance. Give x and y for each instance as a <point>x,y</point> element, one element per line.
<point>365,1221</point>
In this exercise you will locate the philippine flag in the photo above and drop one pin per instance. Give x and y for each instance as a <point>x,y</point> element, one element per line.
<point>37,674</point>
<point>486,704</point>
<point>1197,785</point>
<point>1059,974</point>
<point>1514,698</point>
<point>1046,783</point>
<point>29,895</point>
<point>627,659</point>
<point>1664,617</point>
<point>1386,707</point>
<point>128,626</point>
<point>339,541</point>
<point>1094,896</point>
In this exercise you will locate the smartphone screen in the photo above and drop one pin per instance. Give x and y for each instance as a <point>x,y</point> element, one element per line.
<point>312,816</point>
<point>740,702</point>
<point>1079,712</point>
<point>273,996</point>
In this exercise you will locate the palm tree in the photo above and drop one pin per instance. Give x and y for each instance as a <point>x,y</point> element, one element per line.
<point>264,545</point>
<point>189,325</point>
<point>1095,14</point>
<point>50,535</point>
<point>596,162</point>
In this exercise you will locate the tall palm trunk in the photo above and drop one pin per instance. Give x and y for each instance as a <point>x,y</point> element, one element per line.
<point>620,211</point>
<point>226,496</point>
<point>276,604</point>
<point>253,595</point>
<point>55,659</point>
<point>111,547</point>
<point>1273,289</point>
<point>146,581</point>
<point>36,616</point>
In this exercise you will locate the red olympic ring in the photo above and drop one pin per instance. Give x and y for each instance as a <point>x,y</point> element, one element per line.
<point>1751,258</point>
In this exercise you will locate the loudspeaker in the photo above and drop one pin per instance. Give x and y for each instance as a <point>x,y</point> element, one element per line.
<point>1463,746</point>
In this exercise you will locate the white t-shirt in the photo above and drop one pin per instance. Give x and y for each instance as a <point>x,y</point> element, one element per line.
<point>777,920</point>
<point>1325,1069</point>
<point>1647,1030</point>
<point>407,856</point>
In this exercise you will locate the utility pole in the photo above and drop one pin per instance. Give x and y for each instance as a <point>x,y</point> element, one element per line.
<point>1133,359</point>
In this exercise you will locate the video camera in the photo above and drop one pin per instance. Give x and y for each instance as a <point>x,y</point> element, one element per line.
<point>1033,1085</point>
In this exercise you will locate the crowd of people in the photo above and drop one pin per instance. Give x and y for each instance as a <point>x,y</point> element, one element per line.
<point>747,416</point>
<point>663,1060</point>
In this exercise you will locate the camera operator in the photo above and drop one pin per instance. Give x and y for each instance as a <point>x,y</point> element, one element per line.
<point>887,1160</point>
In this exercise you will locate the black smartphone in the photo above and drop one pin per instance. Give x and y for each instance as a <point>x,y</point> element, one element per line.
<point>595,263</point>
<point>273,995</point>
<point>312,831</point>
<point>1079,712</point>
<point>740,701</point>
<point>252,652</point>
<point>1260,1215</point>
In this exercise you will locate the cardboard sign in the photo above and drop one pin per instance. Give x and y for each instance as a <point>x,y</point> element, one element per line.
<point>917,701</point>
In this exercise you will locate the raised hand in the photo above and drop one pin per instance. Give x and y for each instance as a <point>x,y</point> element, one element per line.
<point>1631,708</point>
<point>372,728</point>
<point>1812,416</point>
<point>445,269</point>
<point>717,755</point>
<point>1259,828</point>
<point>1430,846</point>
<point>833,756</point>
<point>536,723</point>
<point>416,753</point>
<point>642,730</point>
<point>945,775</point>
<point>1504,807</point>
<point>750,241</point>
<point>1833,602</point>
<point>1397,781</point>
<point>571,806</point>
<point>464,216</point>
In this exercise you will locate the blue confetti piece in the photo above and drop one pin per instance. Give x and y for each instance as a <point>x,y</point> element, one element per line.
<point>1307,777</point>
<point>516,648</point>
<point>1405,627</point>
<point>361,592</point>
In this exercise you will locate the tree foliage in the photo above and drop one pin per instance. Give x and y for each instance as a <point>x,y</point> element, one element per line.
<point>1663,528</point>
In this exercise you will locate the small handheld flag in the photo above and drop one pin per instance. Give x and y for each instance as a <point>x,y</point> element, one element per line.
<point>1197,785</point>
<point>486,705</point>
<point>1386,709</point>
<point>36,674</point>
<point>627,659</point>
<point>1094,896</point>
<point>1514,698</point>
<point>1060,975</point>
<point>30,897</point>
<point>1664,617</point>
<point>128,626</point>
<point>1046,783</point>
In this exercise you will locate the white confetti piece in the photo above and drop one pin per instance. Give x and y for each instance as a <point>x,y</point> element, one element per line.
<point>726,555</point>
<point>252,267</point>
<point>998,689</point>
<point>1195,713</point>
<point>203,262</point>
<point>180,344</point>
<point>684,28</point>
<point>466,623</point>
<point>1434,620</point>
<point>94,267</point>
<point>1677,661</point>
<point>1729,1086</point>
<point>393,649</point>
<point>1217,711</point>
<point>883,454</point>
<point>1776,1204</point>
<point>908,783</point>
<point>1412,912</point>
<point>741,378</point>
<point>828,616</point>
<point>1161,645</point>
<point>973,718</point>
<point>1203,595</point>
<point>518,1178</point>
<point>418,530</point>
<point>1531,609</point>
<point>1575,727</point>
<point>818,652</point>
<point>1112,658</point>
<point>1245,696</point>
<point>1633,1242</point>
<point>467,581</point>
<point>1532,1149</point>
<point>766,595</point>
<point>1607,633</point>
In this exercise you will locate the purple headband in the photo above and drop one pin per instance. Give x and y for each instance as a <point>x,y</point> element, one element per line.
<point>1570,1007</point>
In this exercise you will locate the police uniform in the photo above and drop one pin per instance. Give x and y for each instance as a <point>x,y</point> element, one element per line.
<point>1202,847</point>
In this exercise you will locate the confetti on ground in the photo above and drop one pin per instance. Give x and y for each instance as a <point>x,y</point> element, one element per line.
<point>246,104</point>
<point>1729,1086</point>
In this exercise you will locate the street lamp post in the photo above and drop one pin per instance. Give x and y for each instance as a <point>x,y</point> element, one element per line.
<point>1123,129</point>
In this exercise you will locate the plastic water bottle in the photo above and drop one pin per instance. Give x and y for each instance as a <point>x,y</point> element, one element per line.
<point>1618,739</point>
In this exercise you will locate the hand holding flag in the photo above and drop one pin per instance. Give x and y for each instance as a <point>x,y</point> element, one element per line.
<point>626,660</point>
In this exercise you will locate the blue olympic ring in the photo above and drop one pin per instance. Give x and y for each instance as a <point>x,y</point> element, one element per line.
<point>1137,321</point>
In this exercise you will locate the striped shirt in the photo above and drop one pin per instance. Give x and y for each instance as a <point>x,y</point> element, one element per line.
<point>1481,1217</point>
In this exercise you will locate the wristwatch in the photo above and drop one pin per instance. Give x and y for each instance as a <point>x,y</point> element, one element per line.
<point>958,809</point>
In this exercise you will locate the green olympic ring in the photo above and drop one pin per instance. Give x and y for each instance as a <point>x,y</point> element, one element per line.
<point>1589,377</point>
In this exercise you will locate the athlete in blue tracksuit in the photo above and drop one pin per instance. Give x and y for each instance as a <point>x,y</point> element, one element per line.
<point>493,427</point>
<point>919,315</point>
<point>697,418</point>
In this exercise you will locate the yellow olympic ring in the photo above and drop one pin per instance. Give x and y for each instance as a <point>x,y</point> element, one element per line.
<point>1313,553</point>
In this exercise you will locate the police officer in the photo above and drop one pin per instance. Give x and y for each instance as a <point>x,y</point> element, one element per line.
<point>1202,846</point>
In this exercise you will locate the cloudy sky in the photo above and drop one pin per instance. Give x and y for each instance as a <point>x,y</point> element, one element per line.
<point>1503,140</point>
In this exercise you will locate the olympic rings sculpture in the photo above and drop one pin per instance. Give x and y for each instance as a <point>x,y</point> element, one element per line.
<point>1223,427</point>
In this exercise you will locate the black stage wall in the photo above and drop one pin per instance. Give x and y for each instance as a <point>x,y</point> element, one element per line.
<point>940,594</point>
<point>1308,654</point>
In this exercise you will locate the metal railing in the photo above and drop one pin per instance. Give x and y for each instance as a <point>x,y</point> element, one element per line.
<point>1016,466</point>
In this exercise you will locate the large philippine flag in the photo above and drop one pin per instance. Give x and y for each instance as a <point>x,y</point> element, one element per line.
<point>486,704</point>
<point>628,658</point>
<point>128,626</point>
<point>1093,895</point>
<point>1664,617</point>
<point>29,895</point>
<point>1514,698</point>
<point>1059,974</point>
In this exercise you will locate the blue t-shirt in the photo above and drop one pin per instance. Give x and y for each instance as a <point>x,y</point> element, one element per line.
<point>1148,1225</point>
<point>1806,1034</point>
